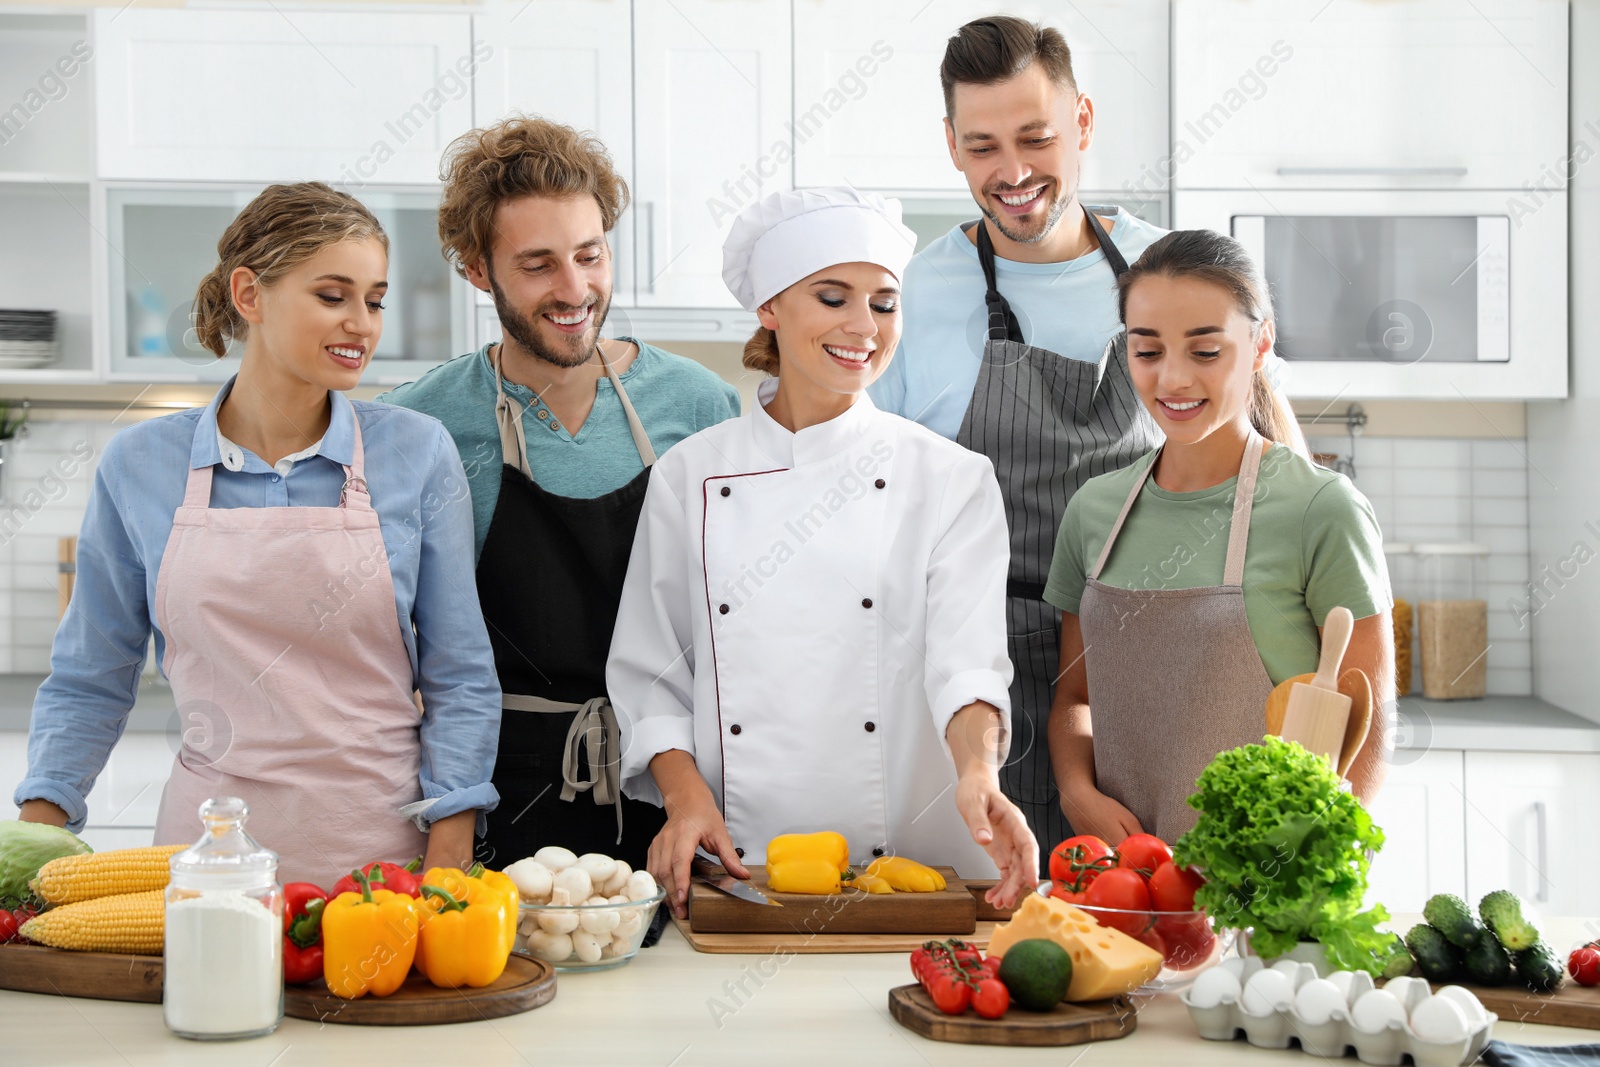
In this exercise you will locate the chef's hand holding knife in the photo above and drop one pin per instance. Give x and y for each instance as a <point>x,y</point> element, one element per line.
<point>976,734</point>
<point>693,822</point>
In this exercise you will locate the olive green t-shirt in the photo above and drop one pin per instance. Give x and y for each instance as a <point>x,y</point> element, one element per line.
<point>1314,544</point>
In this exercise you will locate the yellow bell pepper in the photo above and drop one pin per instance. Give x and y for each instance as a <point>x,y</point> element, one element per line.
<point>807,863</point>
<point>497,881</point>
<point>906,876</point>
<point>870,883</point>
<point>466,936</point>
<point>369,940</point>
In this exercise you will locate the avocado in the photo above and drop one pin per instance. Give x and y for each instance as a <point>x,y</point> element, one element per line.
<point>1438,959</point>
<point>1449,914</point>
<point>1487,963</point>
<point>1502,912</point>
<point>1538,967</point>
<point>1036,973</point>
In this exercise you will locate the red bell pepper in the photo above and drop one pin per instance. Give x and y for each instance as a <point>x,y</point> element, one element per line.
<point>302,932</point>
<point>390,876</point>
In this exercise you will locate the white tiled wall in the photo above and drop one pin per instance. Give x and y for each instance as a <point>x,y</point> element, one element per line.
<point>38,506</point>
<point>1459,490</point>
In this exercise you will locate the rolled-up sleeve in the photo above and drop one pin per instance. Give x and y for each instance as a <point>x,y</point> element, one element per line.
<point>95,661</point>
<point>966,624</point>
<point>650,673</point>
<point>455,663</point>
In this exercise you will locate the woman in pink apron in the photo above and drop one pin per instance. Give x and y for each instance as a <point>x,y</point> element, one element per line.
<point>1196,579</point>
<point>305,563</point>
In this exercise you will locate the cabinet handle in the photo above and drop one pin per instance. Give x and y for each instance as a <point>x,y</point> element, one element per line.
<point>649,246</point>
<point>1541,827</point>
<point>1447,172</point>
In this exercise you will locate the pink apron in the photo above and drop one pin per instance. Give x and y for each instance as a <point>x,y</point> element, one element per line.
<point>294,688</point>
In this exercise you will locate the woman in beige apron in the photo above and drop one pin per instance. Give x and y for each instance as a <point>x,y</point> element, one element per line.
<point>1175,664</point>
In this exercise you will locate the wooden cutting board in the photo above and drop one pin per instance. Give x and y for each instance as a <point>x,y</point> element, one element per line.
<point>1570,1005</point>
<point>767,944</point>
<point>1068,1024</point>
<point>98,975</point>
<point>951,911</point>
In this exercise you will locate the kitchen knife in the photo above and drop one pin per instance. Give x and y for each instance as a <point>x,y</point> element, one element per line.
<point>717,879</point>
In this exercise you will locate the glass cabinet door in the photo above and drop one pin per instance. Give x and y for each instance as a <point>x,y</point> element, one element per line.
<point>163,241</point>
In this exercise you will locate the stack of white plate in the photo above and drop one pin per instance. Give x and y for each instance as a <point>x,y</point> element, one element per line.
<point>27,338</point>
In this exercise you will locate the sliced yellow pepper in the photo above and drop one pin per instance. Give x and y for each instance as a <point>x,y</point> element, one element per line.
<point>870,883</point>
<point>369,940</point>
<point>807,863</point>
<point>906,876</point>
<point>466,934</point>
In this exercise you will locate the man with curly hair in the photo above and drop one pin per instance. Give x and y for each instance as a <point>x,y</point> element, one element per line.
<point>557,428</point>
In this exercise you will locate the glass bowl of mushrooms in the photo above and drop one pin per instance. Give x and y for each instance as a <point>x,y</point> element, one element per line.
<point>582,913</point>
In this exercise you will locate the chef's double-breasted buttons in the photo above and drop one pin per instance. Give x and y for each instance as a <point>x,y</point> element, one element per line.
<point>866,602</point>
<point>736,729</point>
<point>880,483</point>
<point>878,851</point>
<point>722,609</point>
<point>871,726</point>
<point>739,852</point>
<point>726,490</point>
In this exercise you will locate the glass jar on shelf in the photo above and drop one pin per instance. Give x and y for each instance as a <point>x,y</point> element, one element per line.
<point>1452,619</point>
<point>1402,561</point>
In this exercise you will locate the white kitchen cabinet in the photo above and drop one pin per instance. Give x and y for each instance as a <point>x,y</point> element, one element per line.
<point>13,768</point>
<point>1530,827</point>
<point>1421,811</point>
<point>869,111</point>
<point>570,61</point>
<point>711,112</point>
<point>279,94</point>
<point>1428,94</point>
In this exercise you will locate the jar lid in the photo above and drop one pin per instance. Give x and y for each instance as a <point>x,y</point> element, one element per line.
<point>225,850</point>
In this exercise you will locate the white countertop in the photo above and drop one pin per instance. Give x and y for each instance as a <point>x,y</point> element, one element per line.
<point>654,1012</point>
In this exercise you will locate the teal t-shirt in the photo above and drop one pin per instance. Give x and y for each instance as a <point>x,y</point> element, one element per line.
<point>1314,544</point>
<point>674,397</point>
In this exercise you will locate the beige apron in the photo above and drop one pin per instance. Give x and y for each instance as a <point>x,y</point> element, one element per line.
<point>1174,674</point>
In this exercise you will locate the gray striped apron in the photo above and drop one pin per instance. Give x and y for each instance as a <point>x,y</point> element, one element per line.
<point>1174,675</point>
<point>1049,423</point>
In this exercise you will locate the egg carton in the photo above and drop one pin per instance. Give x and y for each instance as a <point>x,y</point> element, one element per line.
<point>1334,1038</point>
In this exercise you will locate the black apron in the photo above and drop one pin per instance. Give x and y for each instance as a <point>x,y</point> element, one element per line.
<point>1049,423</point>
<point>549,581</point>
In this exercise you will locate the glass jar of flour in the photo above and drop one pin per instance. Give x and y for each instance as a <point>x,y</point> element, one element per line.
<point>224,942</point>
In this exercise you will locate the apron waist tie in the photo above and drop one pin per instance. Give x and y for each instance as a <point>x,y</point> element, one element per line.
<point>594,731</point>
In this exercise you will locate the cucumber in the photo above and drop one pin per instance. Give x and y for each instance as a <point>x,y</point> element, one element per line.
<point>1502,913</point>
<point>1538,967</point>
<point>1436,957</point>
<point>1487,963</point>
<point>1395,960</point>
<point>1449,914</point>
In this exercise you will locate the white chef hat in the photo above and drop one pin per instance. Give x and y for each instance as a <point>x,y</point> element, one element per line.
<point>786,236</point>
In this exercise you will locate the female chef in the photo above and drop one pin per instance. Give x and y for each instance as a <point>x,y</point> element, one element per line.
<point>305,563</point>
<point>1183,601</point>
<point>812,632</point>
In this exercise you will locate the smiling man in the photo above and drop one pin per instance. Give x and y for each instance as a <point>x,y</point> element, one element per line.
<point>557,429</point>
<point>1007,325</point>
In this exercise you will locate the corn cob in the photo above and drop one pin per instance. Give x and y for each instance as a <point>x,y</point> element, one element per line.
<point>70,879</point>
<point>127,922</point>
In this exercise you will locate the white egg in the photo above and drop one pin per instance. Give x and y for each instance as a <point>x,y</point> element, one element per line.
<point>1439,1020</point>
<point>1376,1011</point>
<point>1267,992</point>
<point>1317,1000</point>
<point>1290,969</point>
<point>1471,1007</point>
<point>1214,986</point>
<point>1242,967</point>
<point>1409,991</point>
<point>1352,984</point>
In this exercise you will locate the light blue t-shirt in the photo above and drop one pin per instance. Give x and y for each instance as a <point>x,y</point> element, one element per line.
<point>1069,308</point>
<point>674,397</point>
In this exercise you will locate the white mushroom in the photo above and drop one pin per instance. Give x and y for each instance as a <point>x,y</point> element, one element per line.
<point>600,867</point>
<point>641,886</point>
<point>549,946</point>
<point>620,945</point>
<point>616,898</point>
<point>618,879</point>
<point>527,924</point>
<point>601,921</point>
<point>559,920</point>
<point>532,879</point>
<point>628,924</point>
<point>555,857</point>
<point>595,901</point>
<point>577,883</point>
<point>587,946</point>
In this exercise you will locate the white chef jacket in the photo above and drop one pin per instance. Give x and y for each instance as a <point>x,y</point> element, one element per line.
<point>804,613</point>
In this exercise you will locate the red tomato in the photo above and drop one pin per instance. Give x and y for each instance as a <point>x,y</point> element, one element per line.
<point>1143,852</point>
<point>1075,899</point>
<point>991,999</point>
<point>1584,964</point>
<point>8,926</point>
<point>991,966</point>
<point>951,995</point>
<point>1172,887</point>
<point>20,916</point>
<point>1123,890</point>
<point>1078,860</point>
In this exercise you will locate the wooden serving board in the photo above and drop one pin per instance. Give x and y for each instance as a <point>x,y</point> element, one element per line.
<point>1570,1005</point>
<point>1068,1024</point>
<point>98,975</point>
<point>805,944</point>
<point>526,984</point>
<point>950,911</point>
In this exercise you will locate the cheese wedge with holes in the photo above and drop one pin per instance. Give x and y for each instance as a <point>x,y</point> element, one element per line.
<point>1105,962</point>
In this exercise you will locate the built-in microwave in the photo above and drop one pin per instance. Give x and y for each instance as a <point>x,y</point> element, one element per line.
<point>1415,293</point>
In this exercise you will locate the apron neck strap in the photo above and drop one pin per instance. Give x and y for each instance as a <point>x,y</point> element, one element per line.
<point>197,491</point>
<point>1003,325</point>
<point>508,417</point>
<point>1244,493</point>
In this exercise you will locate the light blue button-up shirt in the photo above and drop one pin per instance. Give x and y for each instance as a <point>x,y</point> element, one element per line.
<point>420,493</point>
